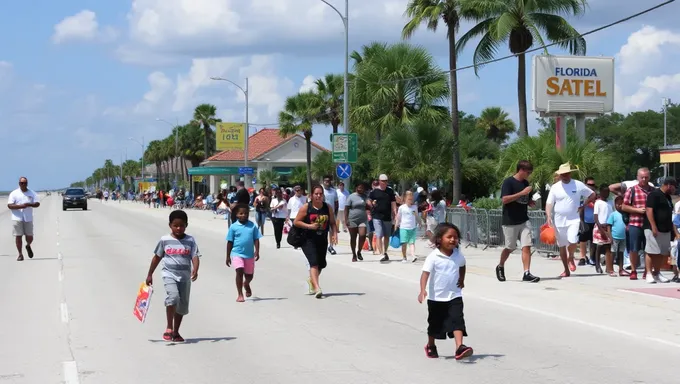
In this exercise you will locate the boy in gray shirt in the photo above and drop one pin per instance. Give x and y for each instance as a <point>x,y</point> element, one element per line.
<point>180,256</point>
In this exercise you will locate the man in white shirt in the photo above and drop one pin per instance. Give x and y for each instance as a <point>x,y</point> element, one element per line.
<point>343,194</point>
<point>21,203</point>
<point>295,203</point>
<point>564,201</point>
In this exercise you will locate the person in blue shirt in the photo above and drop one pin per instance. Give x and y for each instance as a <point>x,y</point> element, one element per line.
<point>243,250</point>
<point>617,230</point>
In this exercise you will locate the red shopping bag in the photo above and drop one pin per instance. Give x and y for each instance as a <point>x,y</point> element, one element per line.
<point>547,234</point>
<point>143,301</point>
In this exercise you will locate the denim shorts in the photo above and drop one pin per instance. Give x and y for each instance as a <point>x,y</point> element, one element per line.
<point>636,239</point>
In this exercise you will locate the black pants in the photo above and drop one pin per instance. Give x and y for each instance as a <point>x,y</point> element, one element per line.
<point>278,229</point>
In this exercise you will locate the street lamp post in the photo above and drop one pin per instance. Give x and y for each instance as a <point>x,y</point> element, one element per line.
<point>176,128</point>
<point>142,145</point>
<point>664,103</point>
<point>246,93</point>
<point>345,96</point>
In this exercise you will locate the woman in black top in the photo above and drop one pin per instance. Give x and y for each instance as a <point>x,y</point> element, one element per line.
<point>317,218</point>
<point>261,209</point>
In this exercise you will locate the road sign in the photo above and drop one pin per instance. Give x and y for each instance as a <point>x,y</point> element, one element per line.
<point>245,170</point>
<point>344,171</point>
<point>345,147</point>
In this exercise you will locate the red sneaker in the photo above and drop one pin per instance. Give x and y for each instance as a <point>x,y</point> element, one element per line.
<point>633,275</point>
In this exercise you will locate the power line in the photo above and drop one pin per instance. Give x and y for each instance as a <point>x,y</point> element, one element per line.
<point>534,49</point>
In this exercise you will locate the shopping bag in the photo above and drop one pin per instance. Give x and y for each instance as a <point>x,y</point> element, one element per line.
<point>395,240</point>
<point>286,228</point>
<point>366,246</point>
<point>143,301</point>
<point>547,234</point>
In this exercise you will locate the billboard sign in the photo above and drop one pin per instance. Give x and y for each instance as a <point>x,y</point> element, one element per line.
<point>573,85</point>
<point>230,136</point>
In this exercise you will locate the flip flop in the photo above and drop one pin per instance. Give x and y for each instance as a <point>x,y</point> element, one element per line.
<point>20,258</point>
<point>167,335</point>
<point>30,251</point>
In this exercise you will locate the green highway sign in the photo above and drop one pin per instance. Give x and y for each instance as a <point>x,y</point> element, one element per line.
<point>345,147</point>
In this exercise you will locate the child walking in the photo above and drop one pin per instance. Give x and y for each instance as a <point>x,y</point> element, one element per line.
<point>180,256</point>
<point>617,233</point>
<point>243,250</point>
<point>601,238</point>
<point>407,222</point>
<point>441,283</point>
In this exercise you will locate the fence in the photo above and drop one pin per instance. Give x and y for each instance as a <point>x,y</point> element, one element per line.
<point>482,227</point>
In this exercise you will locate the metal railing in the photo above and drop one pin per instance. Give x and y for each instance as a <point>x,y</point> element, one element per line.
<point>483,227</point>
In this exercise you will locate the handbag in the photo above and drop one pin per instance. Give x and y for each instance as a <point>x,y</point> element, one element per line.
<point>297,236</point>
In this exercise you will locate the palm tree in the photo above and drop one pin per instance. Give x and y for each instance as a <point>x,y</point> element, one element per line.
<point>417,152</point>
<point>330,89</point>
<point>191,138</point>
<point>298,115</point>
<point>430,12</point>
<point>496,123</point>
<point>268,177</point>
<point>299,176</point>
<point>323,165</point>
<point>205,116</point>
<point>385,93</point>
<point>521,23</point>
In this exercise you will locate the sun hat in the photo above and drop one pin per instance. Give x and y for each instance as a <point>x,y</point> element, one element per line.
<point>565,168</point>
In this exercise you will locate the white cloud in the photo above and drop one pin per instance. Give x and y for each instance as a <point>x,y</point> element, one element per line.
<point>82,26</point>
<point>643,77</point>
<point>160,87</point>
<point>308,83</point>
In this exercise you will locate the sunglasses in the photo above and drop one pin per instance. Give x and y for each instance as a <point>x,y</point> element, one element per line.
<point>23,182</point>
<point>590,185</point>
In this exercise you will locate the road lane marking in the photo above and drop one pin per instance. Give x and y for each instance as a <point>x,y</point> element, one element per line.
<point>64,313</point>
<point>71,372</point>
<point>59,256</point>
<point>538,311</point>
<point>61,276</point>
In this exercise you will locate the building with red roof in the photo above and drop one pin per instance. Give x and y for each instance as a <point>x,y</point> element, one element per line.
<point>267,150</point>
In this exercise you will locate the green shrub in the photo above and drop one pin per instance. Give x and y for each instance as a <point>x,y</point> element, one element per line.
<point>487,203</point>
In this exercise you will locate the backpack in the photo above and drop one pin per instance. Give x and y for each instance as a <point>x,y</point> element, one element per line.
<point>625,215</point>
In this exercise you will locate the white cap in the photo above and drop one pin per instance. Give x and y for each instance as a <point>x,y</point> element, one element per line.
<point>383,177</point>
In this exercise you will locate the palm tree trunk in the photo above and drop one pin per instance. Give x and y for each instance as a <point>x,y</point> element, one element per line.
<point>455,127</point>
<point>308,144</point>
<point>206,133</point>
<point>522,94</point>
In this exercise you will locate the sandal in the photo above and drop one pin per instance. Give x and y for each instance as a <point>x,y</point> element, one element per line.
<point>20,258</point>
<point>177,338</point>
<point>167,335</point>
<point>564,274</point>
<point>613,274</point>
<point>30,251</point>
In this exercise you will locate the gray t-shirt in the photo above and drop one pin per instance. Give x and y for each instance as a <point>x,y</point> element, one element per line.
<point>177,255</point>
<point>356,208</point>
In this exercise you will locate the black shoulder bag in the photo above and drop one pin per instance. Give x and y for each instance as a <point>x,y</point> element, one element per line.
<point>297,236</point>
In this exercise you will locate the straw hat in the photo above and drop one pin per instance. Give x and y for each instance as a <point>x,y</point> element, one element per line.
<point>565,168</point>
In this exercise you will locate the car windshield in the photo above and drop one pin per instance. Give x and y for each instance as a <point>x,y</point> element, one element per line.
<point>77,192</point>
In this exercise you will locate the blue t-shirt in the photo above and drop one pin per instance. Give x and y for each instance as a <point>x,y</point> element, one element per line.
<point>618,226</point>
<point>243,237</point>
<point>676,222</point>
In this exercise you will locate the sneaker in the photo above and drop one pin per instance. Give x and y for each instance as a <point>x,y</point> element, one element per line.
<point>661,278</point>
<point>385,258</point>
<point>675,279</point>
<point>431,351</point>
<point>310,286</point>
<point>404,261</point>
<point>414,259</point>
<point>582,262</point>
<point>633,275</point>
<point>359,257</point>
<point>500,273</point>
<point>463,351</point>
<point>530,278</point>
<point>318,294</point>
<point>331,250</point>
<point>650,279</point>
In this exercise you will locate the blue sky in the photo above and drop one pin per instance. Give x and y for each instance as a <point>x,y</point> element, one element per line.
<point>78,78</point>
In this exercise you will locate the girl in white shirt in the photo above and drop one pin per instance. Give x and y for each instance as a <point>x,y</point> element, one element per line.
<point>441,283</point>
<point>601,234</point>
<point>406,223</point>
<point>279,211</point>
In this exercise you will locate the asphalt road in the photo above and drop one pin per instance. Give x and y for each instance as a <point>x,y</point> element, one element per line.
<point>68,316</point>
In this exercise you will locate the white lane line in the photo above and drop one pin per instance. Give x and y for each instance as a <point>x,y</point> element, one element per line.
<point>71,372</point>
<point>64,313</point>
<point>539,312</point>
<point>61,276</point>
<point>59,256</point>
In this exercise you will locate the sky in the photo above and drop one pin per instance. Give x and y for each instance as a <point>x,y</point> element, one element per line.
<point>78,78</point>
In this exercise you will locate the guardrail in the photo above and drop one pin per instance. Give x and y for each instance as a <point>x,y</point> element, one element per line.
<point>483,227</point>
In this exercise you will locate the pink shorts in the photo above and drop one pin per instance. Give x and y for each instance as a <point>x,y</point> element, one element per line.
<point>248,264</point>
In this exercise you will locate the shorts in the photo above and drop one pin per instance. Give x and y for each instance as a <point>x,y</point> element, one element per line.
<point>315,249</point>
<point>246,263</point>
<point>567,235</point>
<point>586,232</point>
<point>659,245</point>
<point>382,228</point>
<point>407,236</point>
<point>177,294</point>
<point>636,239</point>
<point>356,223</point>
<point>444,317</point>
<point>618,245</point>
<point>370,226</point>
<point>521,232</point>
<point>431,224</point>
<point>22,228</point>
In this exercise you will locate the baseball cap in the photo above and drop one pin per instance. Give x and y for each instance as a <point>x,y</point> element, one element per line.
<point>296,188</point>
<point>383,177</point>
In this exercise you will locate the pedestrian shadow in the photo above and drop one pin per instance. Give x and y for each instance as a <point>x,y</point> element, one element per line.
<point>340,294</point>
<point>255,298</point>
<point>474,358</point>
<point>195,340</point>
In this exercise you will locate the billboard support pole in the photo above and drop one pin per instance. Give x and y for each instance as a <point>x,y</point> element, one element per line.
<point>560,133</point>
<point>581,127</point>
